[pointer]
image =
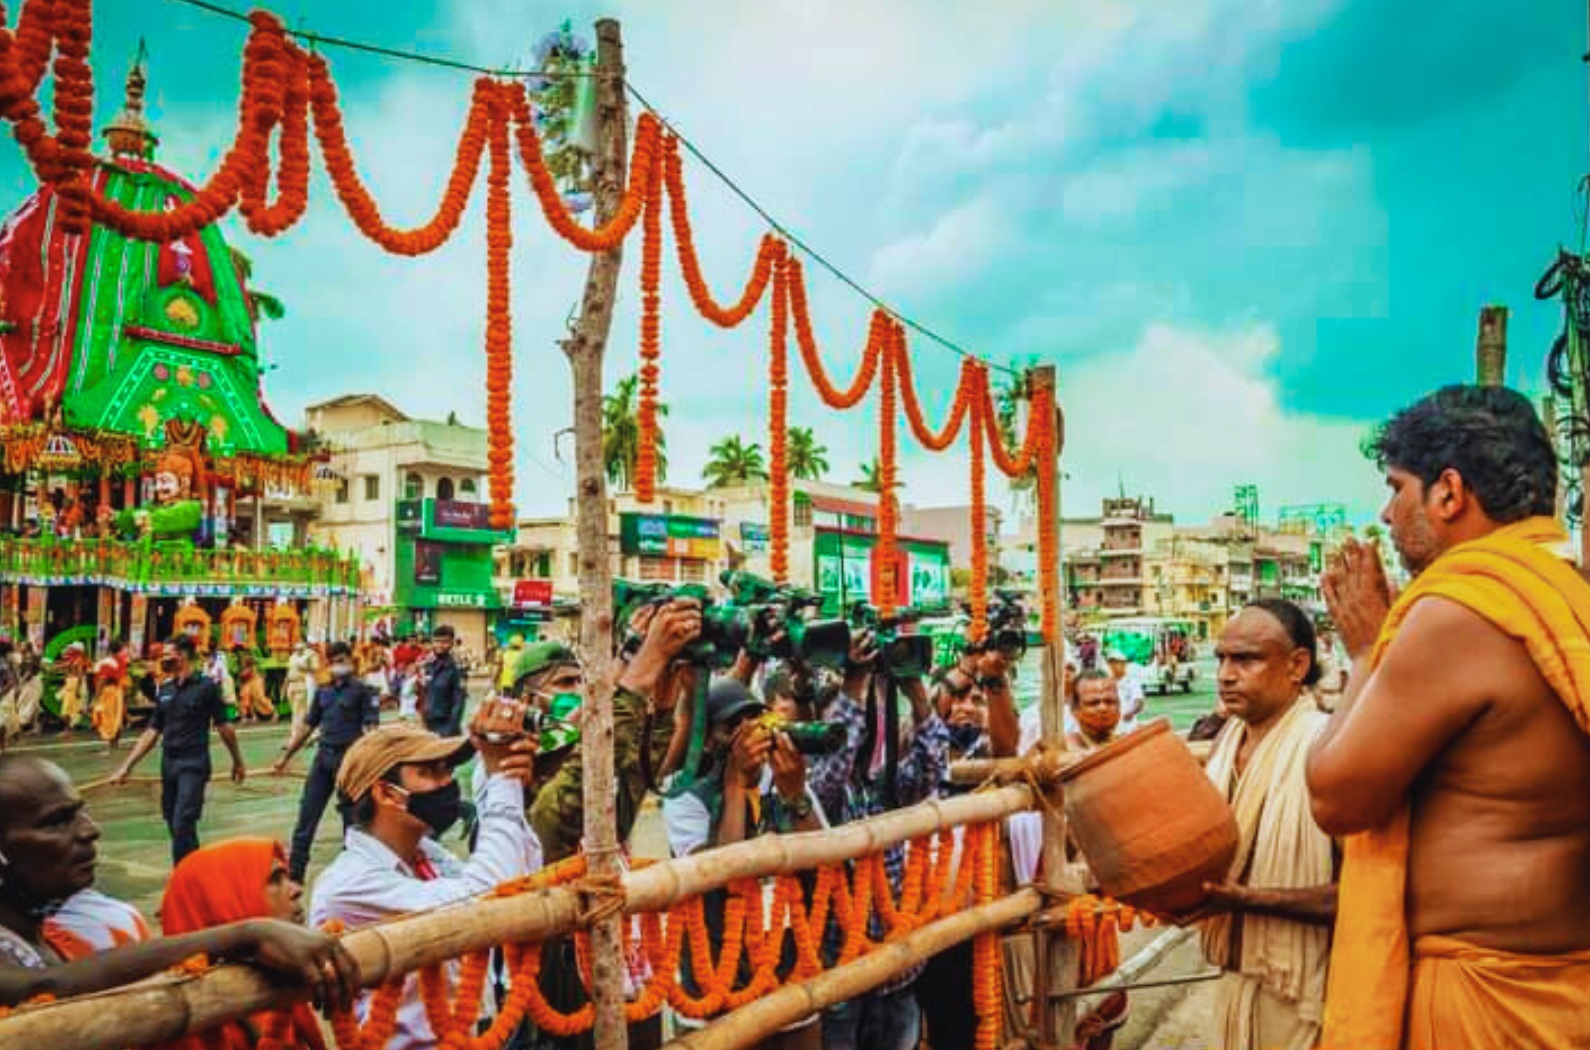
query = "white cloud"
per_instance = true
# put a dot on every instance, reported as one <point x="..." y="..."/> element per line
<point x="958" y="245"/>
<point x="1188" y="413"/>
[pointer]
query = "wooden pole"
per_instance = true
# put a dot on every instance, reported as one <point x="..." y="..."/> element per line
<point x="168" y="1008"/>
<point x="585" y="347"/>
<point x="1490" y="348"/>
<point x="750" y="1024"/>
<point x="1054" y="963"/>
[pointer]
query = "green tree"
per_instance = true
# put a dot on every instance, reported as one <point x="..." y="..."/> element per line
<point x="870" y="480"/>
<point x="1008" y="399"/>
<point x="733" y="462"/>
<point x="621" y="434"/>
<point x="807" y="459"/>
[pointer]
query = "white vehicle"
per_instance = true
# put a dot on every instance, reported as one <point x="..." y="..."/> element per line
<point x="1159" y="649"/>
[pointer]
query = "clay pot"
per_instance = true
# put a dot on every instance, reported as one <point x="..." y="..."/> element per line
<point x="1151" y="825"/>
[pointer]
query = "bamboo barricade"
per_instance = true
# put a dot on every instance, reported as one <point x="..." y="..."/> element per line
<point x="169" y="1007"/>
<point x="750" y="1024"/>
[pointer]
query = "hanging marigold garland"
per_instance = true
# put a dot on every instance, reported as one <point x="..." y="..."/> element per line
<point x="499" y="321"/>
<point x="927" y="437"/>
<point x="885" y="555"/>
<point x="987" y="995"/>
<point x="690" y="263"/>
<point x="778" y="422"/>
<point x="74" y="113"/>
<point x="978" y="589"/>
<point x="645" y="153"/>
<point x="877" y="335"/>
<point x="650" y="337"/>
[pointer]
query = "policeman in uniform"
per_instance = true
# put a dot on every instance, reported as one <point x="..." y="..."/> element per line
<point x="342" y="711"/>
<point x="186" y="706"/>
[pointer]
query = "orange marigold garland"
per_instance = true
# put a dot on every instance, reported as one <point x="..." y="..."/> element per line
<point x="877" y="333"/>
<point x="264" y="218"/>
<point x="690" y="264"/>
<point x="933" y="441"/>
<point x="886" y="589"/>
<point x="645" y="153"/>
<point x="499" y="323"/>
<point x="778" y="421"/>
<point x="356" y="199"/>
<point x="987" y="997"/>
<point x="74" y="112"/>
<point x="978" y="588"/>
<point x="650" y="337"/>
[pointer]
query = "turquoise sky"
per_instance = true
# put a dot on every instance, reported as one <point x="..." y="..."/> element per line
<point x="1243" y="231"/>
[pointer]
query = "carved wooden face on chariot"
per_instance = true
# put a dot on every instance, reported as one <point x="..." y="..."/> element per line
<point x="173" y="478"/>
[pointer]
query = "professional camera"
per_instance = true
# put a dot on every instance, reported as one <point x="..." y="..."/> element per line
<point x="809" y="738"/>
<point x="900" y="653"/>
<point x="760" y="617"/>
<point x="782" y="623"/>
<point x="1007" y="627"/>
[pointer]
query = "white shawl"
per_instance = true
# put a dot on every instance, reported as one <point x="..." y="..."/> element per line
<point x="1280" y="848"/>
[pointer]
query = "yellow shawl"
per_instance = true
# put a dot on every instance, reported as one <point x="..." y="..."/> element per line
<point x="1520" y="584"/>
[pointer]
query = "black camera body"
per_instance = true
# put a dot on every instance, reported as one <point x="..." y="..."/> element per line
<point x="760" y="617"/>
<point x="901" y="653"/>
<point x="1007" y="627"/>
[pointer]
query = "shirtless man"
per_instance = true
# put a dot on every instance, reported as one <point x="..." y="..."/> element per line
<point x="1456" y="741"/>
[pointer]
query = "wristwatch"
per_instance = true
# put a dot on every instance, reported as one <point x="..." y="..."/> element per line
<point x="800" y="807"/>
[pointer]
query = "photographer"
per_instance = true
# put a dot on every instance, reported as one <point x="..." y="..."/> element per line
<point x="752" y="781"/>
<point x="886" y="1018"/>
<point x="644" y="722"/>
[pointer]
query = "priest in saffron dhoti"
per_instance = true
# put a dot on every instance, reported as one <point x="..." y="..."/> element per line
<point x="1457" y="762"/>
<point x="1270" y="928"/>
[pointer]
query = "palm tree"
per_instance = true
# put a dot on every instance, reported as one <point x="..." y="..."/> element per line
<point x="734" y="463"/>
<point x="621" y="434"/>
<point x="871" y="482"/>
<point x="806" y="458"/>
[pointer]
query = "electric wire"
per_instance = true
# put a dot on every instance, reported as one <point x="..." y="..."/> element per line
<point x="722" y="176"/>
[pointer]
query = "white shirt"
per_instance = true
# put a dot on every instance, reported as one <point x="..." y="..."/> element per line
<point x="368" y="883"/>
<point x="1130" y="690"/>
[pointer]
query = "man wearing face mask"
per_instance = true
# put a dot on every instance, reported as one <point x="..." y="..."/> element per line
<point x="187" y="705"/>
<point x="398" y="782"/>
<point x="343" y="711"/>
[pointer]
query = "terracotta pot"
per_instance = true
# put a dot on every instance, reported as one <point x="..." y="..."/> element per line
<point x="1151" y="825"/>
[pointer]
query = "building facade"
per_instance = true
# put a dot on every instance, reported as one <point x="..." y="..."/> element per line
<point x="407" y="494"/>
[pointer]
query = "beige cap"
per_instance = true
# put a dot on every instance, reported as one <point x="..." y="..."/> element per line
<point x="380" y="750"/>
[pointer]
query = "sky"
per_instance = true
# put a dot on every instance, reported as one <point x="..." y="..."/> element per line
<point x="1243" y="230"/>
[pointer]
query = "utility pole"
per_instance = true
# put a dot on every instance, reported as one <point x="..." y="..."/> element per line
<point x="1490" y="348"/>
<point x="585" y="346"/>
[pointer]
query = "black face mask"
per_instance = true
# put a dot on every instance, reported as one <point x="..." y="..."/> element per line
<point x="964" y="737"/>
<point x="439" y="808"/>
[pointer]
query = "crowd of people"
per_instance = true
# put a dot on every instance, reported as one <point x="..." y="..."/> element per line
<point x="1413" y="850"/>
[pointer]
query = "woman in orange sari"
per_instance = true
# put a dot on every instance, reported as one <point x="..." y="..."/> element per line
<point x="110" y="706"/>
<point x="235" y="881"/>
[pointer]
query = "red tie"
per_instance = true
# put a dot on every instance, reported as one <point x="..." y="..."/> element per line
<point x="423" y="868"/>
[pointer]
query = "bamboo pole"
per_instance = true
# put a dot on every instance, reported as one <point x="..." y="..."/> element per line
<point x="1055" y="960"/>
<point x="1044" y="767"/>
<point x="168" y="1008"/>
<point x="750" y="1024"/>
<point x="584" y="348"/>
<point x="661" y="885"/>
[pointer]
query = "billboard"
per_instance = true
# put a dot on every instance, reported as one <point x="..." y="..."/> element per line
<point x="669" y="536"/>
<point x="459" y="514"/>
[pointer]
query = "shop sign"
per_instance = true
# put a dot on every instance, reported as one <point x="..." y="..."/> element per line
<point x="532" y="594"/>
<point x="669" y="536"/>
<point x="450" y="600"/>
<point x="459" y="514"/>
<point x="753" y="537"/>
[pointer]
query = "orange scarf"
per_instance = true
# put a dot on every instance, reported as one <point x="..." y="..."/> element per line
<point x="217" y="885"/>
<point x="1517" y="579"/>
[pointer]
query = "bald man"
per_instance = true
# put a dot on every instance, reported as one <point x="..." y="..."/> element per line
<point x="48" y="850"/>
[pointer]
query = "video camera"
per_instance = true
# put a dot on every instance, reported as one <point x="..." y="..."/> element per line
<point x="1007" y="627"/>
<point x="899" y="654"/>
<point x="760" y="617"/>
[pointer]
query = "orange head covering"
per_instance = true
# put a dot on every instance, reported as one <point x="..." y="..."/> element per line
<point x="217" y="885"/>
